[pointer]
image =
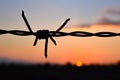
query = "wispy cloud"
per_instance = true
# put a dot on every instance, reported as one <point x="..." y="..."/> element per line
<point x="4" y="60"/>
<point x="105" y="19"/>
<point x="101" y="21"/>
<point x="112" y="10"/>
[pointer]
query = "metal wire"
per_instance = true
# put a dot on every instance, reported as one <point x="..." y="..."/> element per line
<point x="62" y="34"/>
<point x="45" y="34"/>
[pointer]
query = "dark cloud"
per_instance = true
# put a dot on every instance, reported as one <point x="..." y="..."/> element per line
<point x="11" y="61"/>
<point x="102" y="21"/>
<point x="112" y="10"/>
<point x="85" y="25"/>
<point x="107" y="21"/>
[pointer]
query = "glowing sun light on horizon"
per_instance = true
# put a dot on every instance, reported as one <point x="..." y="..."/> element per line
<point x="79" y="63"/>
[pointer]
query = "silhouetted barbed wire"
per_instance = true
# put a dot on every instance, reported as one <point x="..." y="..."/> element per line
<point x="61" y="34"/>
<point x="45" y="34"/>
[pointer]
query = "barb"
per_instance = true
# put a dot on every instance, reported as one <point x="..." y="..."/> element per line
<point x="45" y="34"/>
<point x="24" y="18"/>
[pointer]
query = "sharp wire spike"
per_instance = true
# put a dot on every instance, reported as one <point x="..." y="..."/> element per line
<point x="59" y="30"/>
<point x="53" y="40"/>
<point x="35" y="42"/>
<point x="24" y="18"/>
<point x="62" y="25"/>
<point x="46" y="45"/>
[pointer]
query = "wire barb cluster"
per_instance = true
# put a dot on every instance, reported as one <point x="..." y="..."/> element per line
<point x="46" y="34"/>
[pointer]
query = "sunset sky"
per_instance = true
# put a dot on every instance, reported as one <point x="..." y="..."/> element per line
<point x="86" y="15"/>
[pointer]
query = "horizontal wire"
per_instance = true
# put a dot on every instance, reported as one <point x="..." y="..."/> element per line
<point x="61" y="34"/>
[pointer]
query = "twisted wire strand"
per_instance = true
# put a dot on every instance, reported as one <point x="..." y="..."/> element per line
<point x="62" y="34"/>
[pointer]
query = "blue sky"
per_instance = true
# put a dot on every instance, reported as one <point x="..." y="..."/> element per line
<point x="51" y="13"/>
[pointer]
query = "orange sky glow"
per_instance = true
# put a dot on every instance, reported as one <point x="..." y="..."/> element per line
<point x="85" y="15"/>
<point x="69" y="49"/>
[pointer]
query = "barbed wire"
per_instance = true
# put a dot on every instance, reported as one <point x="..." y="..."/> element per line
<point x="45" y="34"/>
<point x="61" y="34"/>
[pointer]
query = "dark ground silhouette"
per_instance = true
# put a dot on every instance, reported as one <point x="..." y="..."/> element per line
<point x="59" y="72"/>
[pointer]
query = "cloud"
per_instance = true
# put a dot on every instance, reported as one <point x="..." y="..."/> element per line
<point x="107" y="18"/>
<point x="107" y="21"/>
<point x="101" y="21"/>
<point x="112" y="10"/>
<point x="85" y="25"/>
<point x="4" y="60"/>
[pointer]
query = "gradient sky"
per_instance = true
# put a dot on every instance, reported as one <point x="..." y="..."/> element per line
<point x="87" y="15"/>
